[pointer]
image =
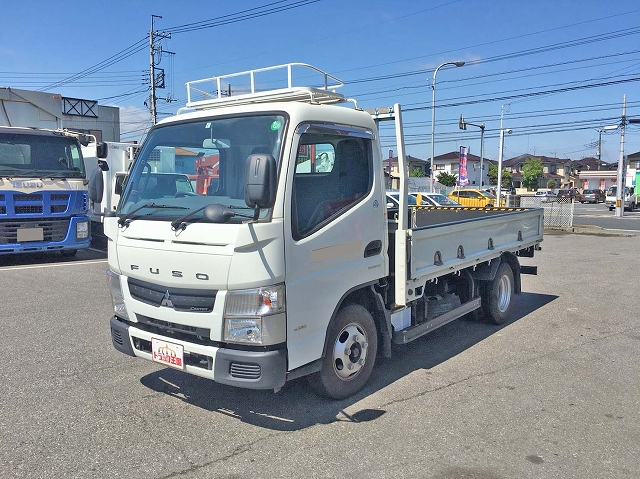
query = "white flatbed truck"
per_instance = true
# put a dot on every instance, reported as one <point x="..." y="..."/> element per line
<point x="289" y="265"/>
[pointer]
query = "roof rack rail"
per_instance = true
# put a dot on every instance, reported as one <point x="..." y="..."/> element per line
<point x="214" y="96"/>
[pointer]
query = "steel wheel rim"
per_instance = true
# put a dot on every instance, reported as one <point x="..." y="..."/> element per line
<point x="504" y="293"/>
<point x="350" y="351"/>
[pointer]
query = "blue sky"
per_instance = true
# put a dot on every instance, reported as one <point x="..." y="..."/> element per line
<point x="558" y="69"/>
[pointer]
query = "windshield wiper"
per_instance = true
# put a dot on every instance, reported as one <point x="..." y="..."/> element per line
<point x="8" y="172"/>
<point x="126" y="219"/>
<point x="216" y="213"/>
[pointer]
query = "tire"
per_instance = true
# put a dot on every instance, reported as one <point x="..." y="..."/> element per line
<point x="610" y="208"/>
<point x="352" y="344"/>
<point x="497" y="295"/>
<point x="68" y="253"/>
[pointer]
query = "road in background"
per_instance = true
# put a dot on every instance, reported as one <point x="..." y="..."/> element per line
<point x="599" y="215"/>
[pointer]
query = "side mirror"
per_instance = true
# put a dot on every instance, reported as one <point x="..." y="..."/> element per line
<point x="260" y="181"/>
<point x="102" y="164"/>
<point x="101" y="149"/>
<point x="96" y="186"/>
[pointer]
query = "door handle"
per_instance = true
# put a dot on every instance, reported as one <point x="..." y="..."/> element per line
<point x="372" y="249"/>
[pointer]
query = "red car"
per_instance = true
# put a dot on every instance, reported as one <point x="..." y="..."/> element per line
<point x="570" y="193"/>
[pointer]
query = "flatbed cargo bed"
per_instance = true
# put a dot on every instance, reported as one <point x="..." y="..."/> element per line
<point x="446" y="240"/>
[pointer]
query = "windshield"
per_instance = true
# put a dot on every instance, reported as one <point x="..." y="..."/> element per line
<point x="444" y="200"/>
<point x="190" y="165"/>
<point x="36" y="156"/>
<point x="395" y="199"/>
<point x="612" y="191"/>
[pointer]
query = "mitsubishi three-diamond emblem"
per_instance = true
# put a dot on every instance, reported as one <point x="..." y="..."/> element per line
<point x="166" y="300"/>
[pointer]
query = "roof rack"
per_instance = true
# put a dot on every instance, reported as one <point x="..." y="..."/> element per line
<point x="212" y="97"/>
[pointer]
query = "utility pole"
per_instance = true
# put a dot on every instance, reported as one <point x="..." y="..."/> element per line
<point x="599" y="147"/>
<point x="621" y="173"/>
<point x="153" y="36"/>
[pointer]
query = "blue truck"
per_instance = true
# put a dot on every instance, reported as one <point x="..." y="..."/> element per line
<point x="43" y="192"/>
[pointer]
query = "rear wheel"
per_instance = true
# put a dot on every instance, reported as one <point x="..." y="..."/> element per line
<point x="351" y="353"/>
<point x="497" y="295"/>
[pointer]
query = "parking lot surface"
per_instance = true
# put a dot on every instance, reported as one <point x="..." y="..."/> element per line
<point x="554" y="393"/>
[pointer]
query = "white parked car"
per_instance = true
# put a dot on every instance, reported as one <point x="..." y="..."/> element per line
<point x="545" y="194"/>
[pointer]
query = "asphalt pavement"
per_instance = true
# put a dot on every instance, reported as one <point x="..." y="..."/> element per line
<point x="554" y="393"/>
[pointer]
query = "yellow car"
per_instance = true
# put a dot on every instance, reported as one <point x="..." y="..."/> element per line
<point x="474" y="197"/>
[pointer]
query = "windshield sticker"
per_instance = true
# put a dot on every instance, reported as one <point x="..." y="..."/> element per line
<point x="276" y="125"/>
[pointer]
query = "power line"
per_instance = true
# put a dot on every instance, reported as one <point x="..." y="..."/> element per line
<point x="121" y="55"/>
<point x="256" y="12"/>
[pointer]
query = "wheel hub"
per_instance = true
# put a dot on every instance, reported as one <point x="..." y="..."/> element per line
<point x="350" y="351"/>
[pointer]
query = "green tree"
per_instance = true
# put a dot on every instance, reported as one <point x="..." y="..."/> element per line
<point x="447" y="179"/>
<point x="493" y="175"/>
<point x="417" y="173"/>
<point x="531" y="173"/>
<point x="551" y="184"/>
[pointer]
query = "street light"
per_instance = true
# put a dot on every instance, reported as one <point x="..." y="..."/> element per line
<point x="499" y="188"/>
<point x="433" y="113"/>
<point x="463" y="126"/>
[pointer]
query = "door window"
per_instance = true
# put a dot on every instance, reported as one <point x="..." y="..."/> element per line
<point x="332" y="174"/>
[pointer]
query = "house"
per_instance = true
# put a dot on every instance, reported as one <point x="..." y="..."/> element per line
<point x="450" y="163"/>
<point x="415" y="164"/>
<point x="608" y="176"/>
<point x="560" y="170"/>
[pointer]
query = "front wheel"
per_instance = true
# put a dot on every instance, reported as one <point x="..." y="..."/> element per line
<point x="496" y="299"/>
<point x="352" y="345"/>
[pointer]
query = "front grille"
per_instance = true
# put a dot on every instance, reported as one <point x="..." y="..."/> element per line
<point x="25" y="210"/>
<point x="245" y="371"/>
<point x="167" y="328"/>
<point x="45" y="203"/>
<point x="53" y="229"/>
<point x="180" y="299"/>
<point x="23" y="197"/>
<point x="117" y="337"/>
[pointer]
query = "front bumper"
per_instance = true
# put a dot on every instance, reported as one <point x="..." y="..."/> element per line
<point x="58" y="234"/>
<point x="240" y="368"/>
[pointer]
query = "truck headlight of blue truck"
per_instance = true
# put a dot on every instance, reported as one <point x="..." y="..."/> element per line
<point x="255" y="316"/>
<point x="82" y="229"/>
<point x="117" y="298"/>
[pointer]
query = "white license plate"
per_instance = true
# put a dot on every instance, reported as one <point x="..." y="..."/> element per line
<point x="30" y="234"/>
<point x="169" y="354"/>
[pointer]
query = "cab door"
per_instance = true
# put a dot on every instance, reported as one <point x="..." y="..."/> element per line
<point x="335" y="230"/>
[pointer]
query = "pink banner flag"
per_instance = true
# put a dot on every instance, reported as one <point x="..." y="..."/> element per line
<point x="463" y="179"/>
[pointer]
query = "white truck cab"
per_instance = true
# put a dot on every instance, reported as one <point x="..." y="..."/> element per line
<point x="628" y="199"/>
<point x="288" y="265"/>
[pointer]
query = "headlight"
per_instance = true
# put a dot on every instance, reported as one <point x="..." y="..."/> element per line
<point x="82" y="229"/>
<point x="255" y="316"/>
<point x="113" y="282"/>
<point x="255" y="302"/>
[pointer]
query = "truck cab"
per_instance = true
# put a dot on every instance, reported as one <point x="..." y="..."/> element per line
<point x="628" y="198"/>
<point x="43" y="196"/>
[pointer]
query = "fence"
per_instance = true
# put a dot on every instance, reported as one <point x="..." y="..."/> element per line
<point x="558" y="212"/>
